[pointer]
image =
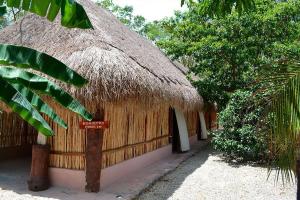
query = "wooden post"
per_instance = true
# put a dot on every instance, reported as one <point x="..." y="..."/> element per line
<point x="93" y="155"/>
<point x="39" y="180"/>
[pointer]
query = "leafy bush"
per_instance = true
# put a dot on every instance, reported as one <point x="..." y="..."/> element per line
<point x="239" y="136"/>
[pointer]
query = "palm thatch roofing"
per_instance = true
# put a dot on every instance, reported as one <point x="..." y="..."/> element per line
<point x="119" y="63"/>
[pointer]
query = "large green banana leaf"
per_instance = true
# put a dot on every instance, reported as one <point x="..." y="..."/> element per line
<point x="43" y="85"/>
<point x="17" y="88"/>
<point x="73" y="14"/>
<point x="24" y="57"/>
<point x="39" y="104"/>
<point x="20" y="105"/>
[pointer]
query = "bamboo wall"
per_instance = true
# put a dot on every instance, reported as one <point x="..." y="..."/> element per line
<point x="193" y="122"/>
<point x="211" y="119"/>
<point x="14" y="132"/>
<point x="134" y="130"/>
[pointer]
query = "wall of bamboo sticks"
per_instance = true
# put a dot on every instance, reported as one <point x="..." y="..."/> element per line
<point x="193" y="122"/>
<point x="134" y="130"/>
<point x="14" y="132"/>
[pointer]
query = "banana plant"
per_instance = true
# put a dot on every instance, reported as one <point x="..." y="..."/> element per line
<point x="73" y="14"/>
<point x="21" y="89"/>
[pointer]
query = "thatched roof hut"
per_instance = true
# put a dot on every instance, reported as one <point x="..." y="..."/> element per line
<point x="128" y="76"/>
<point x="118" y="62"/>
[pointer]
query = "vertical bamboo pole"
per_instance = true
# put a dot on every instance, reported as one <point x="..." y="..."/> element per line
<point x="93" y="155"/>
<point x="39" y="179"/>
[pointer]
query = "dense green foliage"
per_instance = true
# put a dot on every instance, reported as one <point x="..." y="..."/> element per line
<point x="239" y="136"/>
<point x="280" y="78"/>
<point x="257" y="51"/>
<point x="221" y="8"/>
<point x="229" y="52"/>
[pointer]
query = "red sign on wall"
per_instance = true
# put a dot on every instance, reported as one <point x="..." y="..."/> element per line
<point x="94" y="125"/>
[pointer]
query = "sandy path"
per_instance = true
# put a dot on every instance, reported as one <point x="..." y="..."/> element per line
<point x="207" y="176"/>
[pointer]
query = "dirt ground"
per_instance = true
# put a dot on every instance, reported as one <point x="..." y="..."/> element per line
<point x="207" y="176"/>
<point x="204" y="176"/>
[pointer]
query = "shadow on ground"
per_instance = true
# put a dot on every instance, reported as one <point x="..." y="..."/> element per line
<point x="187" y="169"/>
<point x="14" y="175"/>
<point x="236" y="163"/>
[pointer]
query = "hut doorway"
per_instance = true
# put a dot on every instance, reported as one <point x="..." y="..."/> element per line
<point x="173" y="131"/>
<point x="178" y="131"/>
<point x="199" y="128"/>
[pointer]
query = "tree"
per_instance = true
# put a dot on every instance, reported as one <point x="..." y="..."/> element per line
<point x="228" y="51"/>
<point x="222" y="8"/>
<point x="20" y="89"/>
<point x="279" y="78"/>
<point x="73" y="14"/>
<point x="125" y="15"/>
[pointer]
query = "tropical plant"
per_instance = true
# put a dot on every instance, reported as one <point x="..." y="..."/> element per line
<point x="279" y="78"/>
<point x="228" y="52"/>
<point x="240" y="137"/>
<point x="73" y="14"/>
<point x="283" y="84"/>
<point x="21" y="89"/>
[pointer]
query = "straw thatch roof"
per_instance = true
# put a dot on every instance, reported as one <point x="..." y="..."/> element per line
<point x="118" y="62"/>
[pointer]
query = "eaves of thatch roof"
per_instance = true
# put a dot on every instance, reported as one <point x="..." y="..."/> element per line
<point x="118" y="63"/>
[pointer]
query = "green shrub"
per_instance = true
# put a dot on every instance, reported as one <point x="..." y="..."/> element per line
<point x="239" y="136"/>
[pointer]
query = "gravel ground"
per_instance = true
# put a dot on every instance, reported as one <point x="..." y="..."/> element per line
<point x="207" y="176"/>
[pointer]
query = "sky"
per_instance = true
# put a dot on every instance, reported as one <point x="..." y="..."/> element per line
<point x="152" y="9"/>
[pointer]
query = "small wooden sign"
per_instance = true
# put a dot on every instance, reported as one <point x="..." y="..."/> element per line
<point x="94" y="125"/>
